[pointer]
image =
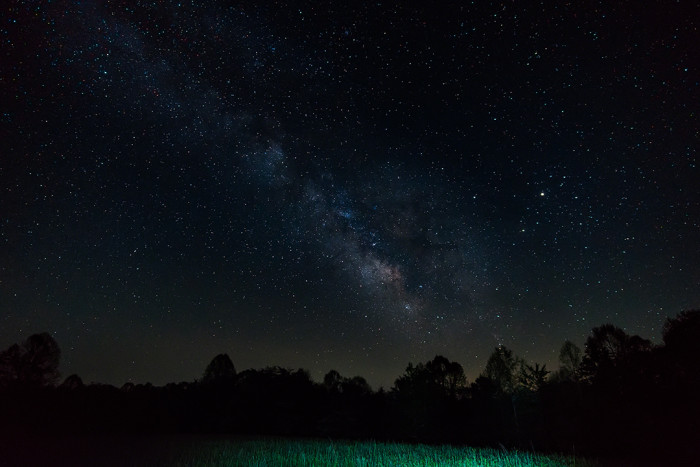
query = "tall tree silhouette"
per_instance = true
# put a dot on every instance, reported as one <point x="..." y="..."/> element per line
<point x="680" y="368"/>
<point x="501" y="368"/>
<point x="33" y="363"/>
<point x="569" y="361"/>
<point x="682" y="345"/>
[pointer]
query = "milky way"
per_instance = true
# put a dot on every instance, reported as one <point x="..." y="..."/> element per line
<point x="349" y="187"/>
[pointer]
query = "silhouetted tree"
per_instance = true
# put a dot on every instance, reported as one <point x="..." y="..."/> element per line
<point x="446" y="374"/>
<point x="72" y="382"/>
<point x="569" y="362"/>
<point x="426" y="397"/>
<point x="415" y="379"/>
<point x="501" y="368"/>
<point x="356" y="386"/>
<point x="682" y="332"/>
<point x="439" y="376"/>
<point x="34" y="363"/>
<point x="532" y="378"/>
<point x="680" y="369"/>
<point x="10" y="363"/>
<point x="483" y="388"/>
<point x="128" y="387"/>
<point x="618" y="400"/>
<point x="333" y="382"/>
<point x="681" y="337"/>
<point x="347" y="410"/>
<point x="607" y="349"/>
<point x="219" y="371"/>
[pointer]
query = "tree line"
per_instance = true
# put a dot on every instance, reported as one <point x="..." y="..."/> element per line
<point x="618" y="396"/>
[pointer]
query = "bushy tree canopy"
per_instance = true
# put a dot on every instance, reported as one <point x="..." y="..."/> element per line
<point x="438" y="376"/>
<point x="682" y="333"/>
<point x="33" y="363"/>
<point x="608" y="348"/>
<point x="220" y="370"/>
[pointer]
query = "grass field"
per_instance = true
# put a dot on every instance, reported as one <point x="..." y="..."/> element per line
<point x="342" y="454"/>
<point x="219" y="452"/>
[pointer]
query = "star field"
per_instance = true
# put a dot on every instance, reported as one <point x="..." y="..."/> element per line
<point x="346" y="187"/>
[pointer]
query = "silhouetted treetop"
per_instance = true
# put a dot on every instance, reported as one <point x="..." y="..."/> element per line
<point x="501" y="368"/>
<point x="356" y="386"/>
<point x="72" y="382"/>
<point x="682" y="345"/>
<point x="532" y="378"/>
<point x="682" y="333"/>
<point x="448" y="375"/>
<point x="570" y="357"/>
<point x="439" y="376"/>
<point x="334" y="383"/>
<point x="220" y="370"/>
<point x="33" y="363"/>
<point x="607" y="348"/>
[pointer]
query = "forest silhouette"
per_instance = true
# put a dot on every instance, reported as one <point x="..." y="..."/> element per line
<point x="619" y="396"/>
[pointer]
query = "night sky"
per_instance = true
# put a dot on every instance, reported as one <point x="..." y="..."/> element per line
<point x="343" y="185"/>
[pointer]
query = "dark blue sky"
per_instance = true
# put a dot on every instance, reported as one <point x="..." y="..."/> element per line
<point x="348" y="187"/>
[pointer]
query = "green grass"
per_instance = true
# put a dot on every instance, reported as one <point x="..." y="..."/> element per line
<point x="220" y="451"/>
<point x="281" y="452"/>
